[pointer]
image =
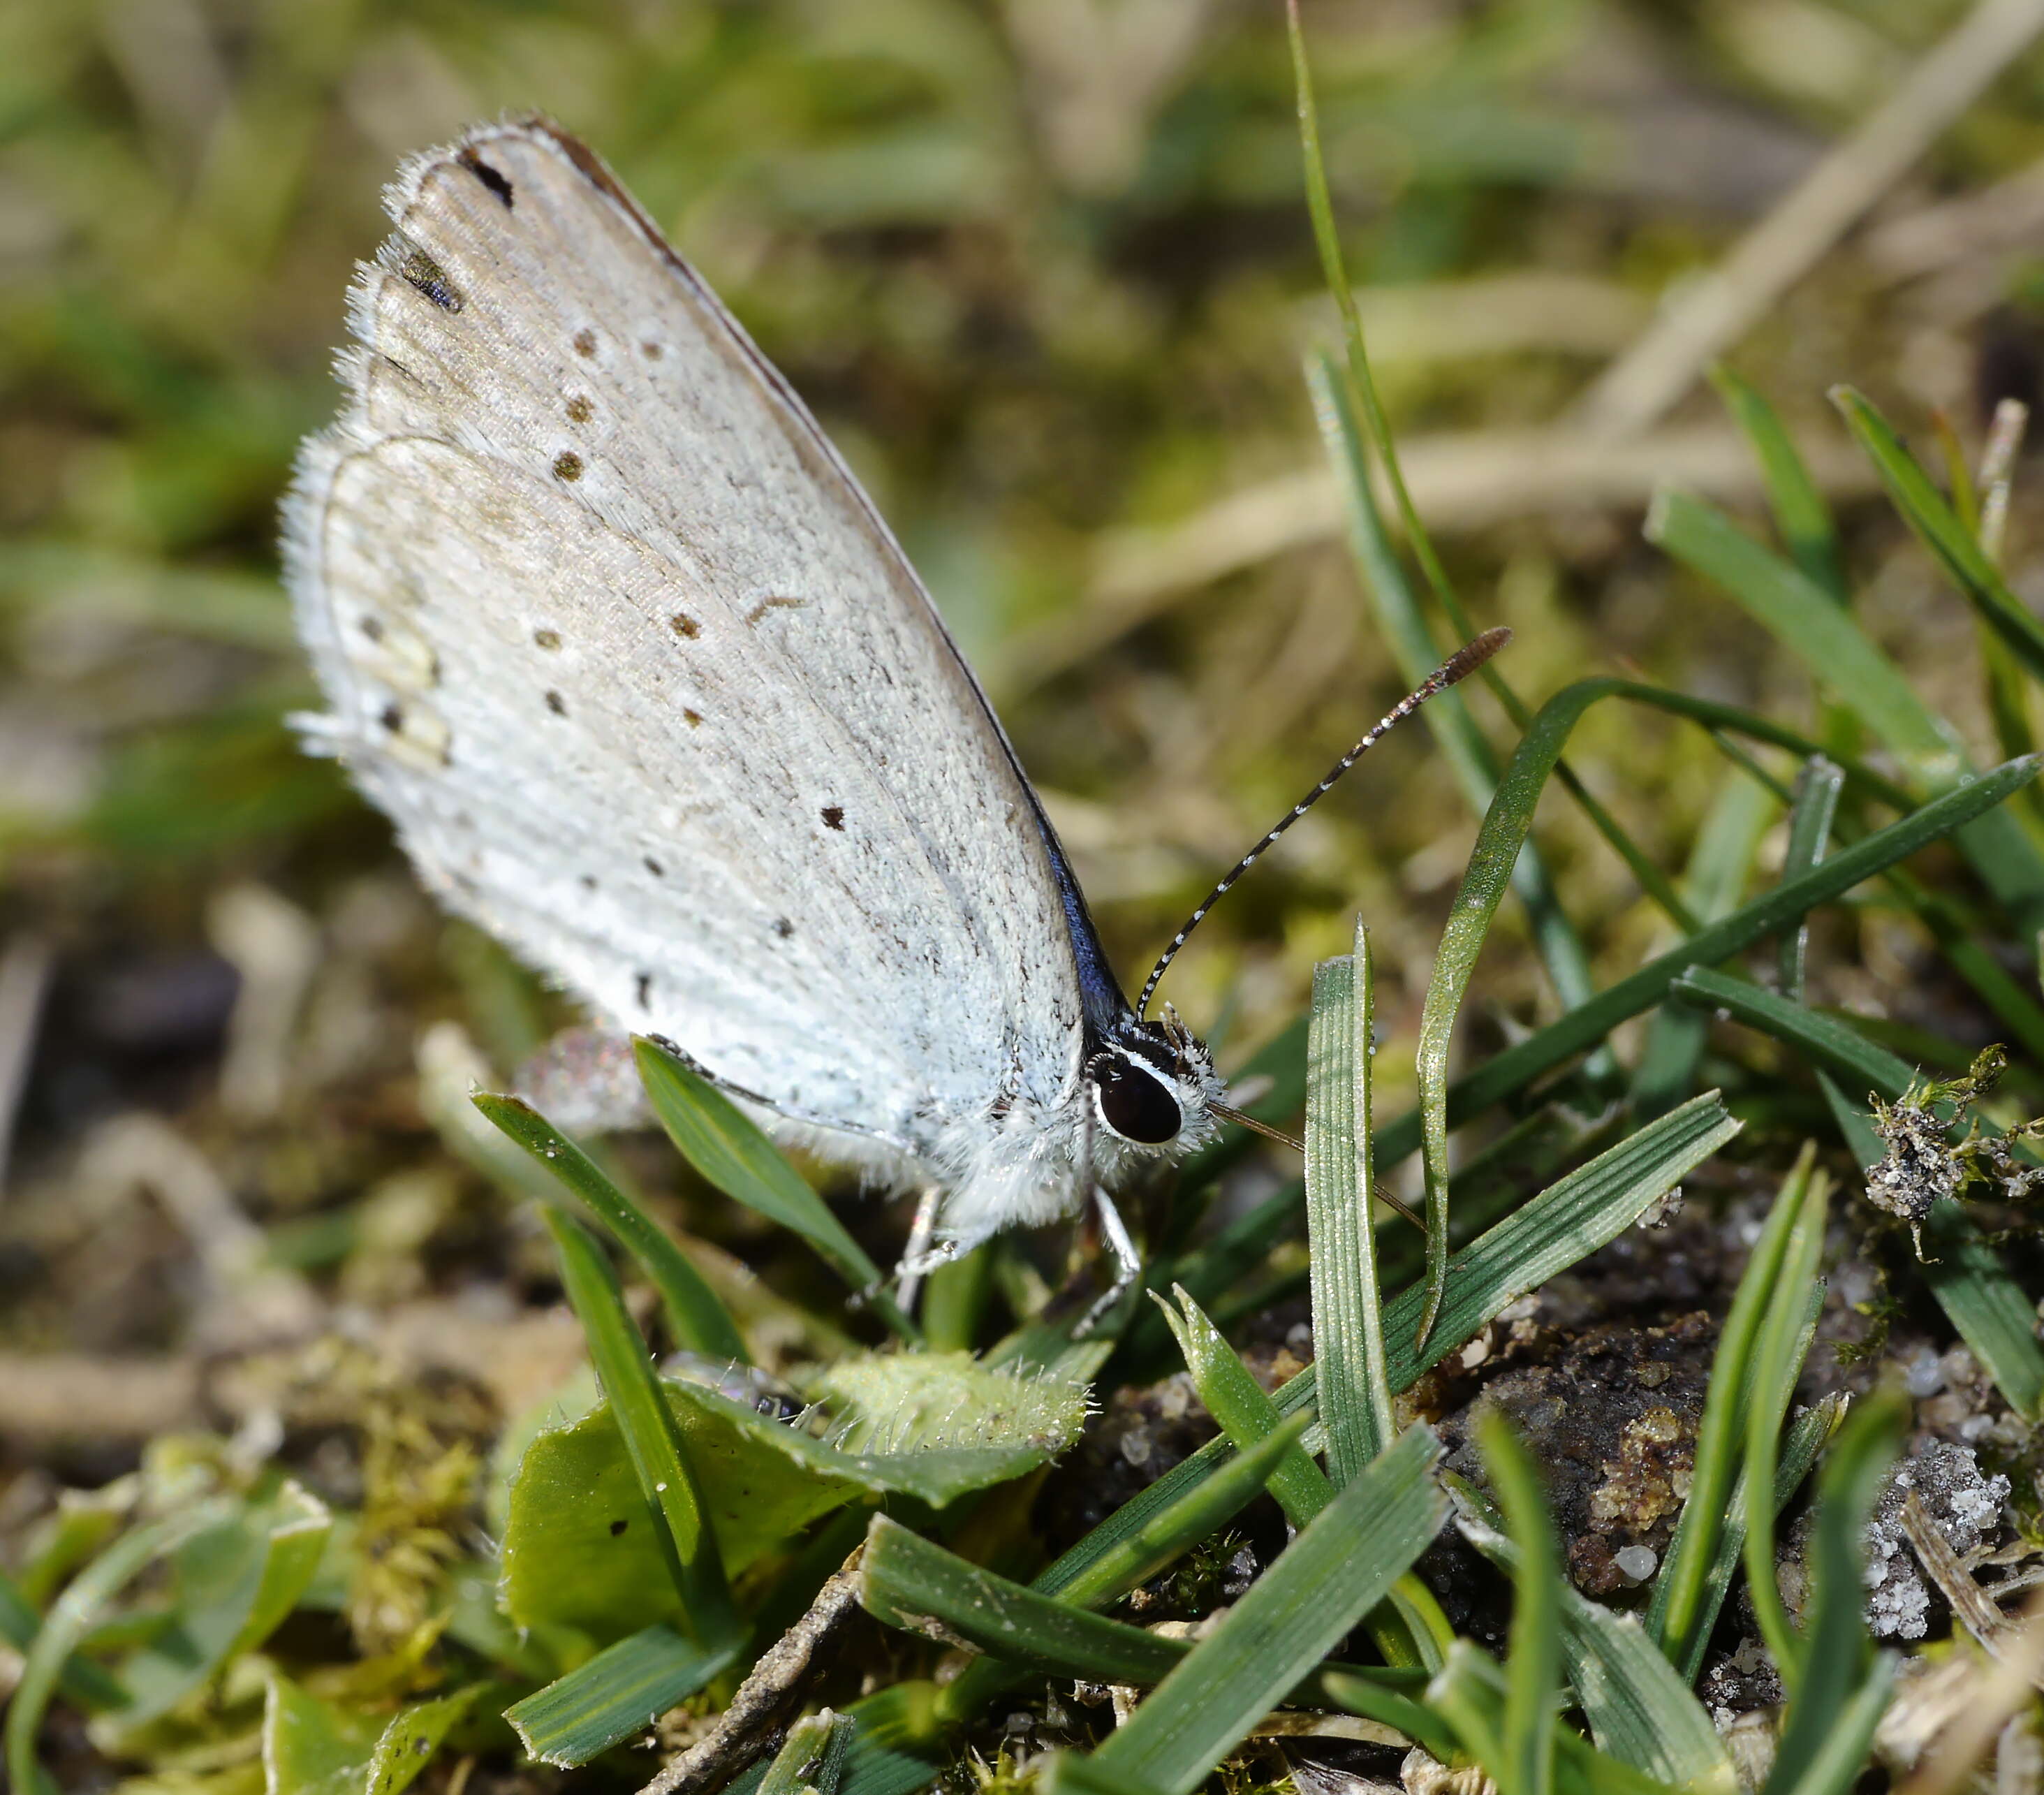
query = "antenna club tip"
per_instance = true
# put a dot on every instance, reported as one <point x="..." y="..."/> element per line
<point x="1471" y="655"/>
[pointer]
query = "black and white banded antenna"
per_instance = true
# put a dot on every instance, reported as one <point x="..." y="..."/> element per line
<point x="1458" y="667"/>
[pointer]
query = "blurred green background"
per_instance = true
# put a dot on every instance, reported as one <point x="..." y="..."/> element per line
<point x="1044" y="270"/>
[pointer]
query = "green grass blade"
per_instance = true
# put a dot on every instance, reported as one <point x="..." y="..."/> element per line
<point x="1446" y="718"/>
<point x="699" y="1321"/>
<point x="1533" y="1664"/>
<point x="1836" y="650"/>
<point x="908" y="1581"/>
<point x="1838" y="1651"/>
<point x="1675" y="1610"/>
<point x="1778" y="1350"/>
<point x="624" y="1689"/>
<point x="72" y="1617"/>
<point x="1246" y="1413"/>
<point x="1802" y="513"/>
<point x="652" y="1436"/>
<point x="1332" y="1574"/>
<point x="1639" y="1705"/>
<point x="1508" y="1073"/>
<point x="812" y="1760"/>
<point x="1816" y="807"/>
<point x="1348" y="1319"/>
<point x="1954" y="546"/>
<point x="83" y="1683"/>
<point x="1191" y="1504"/>
<point x="1842" y="1754"/>
<point x="1719" y="865"/>
<point x="1800" y="1445"/>
<point x="728" y="1150"/>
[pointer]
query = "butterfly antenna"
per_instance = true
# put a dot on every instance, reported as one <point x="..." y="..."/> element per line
<point x="1459" y="666"/>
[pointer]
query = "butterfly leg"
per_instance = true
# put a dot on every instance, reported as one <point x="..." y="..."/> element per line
<point x="1127" y="1263"/>
<point x="919" y="1259"/>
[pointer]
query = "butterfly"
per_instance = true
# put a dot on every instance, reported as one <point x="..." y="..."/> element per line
<point x="608" y="630"/>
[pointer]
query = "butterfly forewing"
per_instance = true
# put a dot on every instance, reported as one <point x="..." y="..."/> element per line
<point x="610" y="632"/>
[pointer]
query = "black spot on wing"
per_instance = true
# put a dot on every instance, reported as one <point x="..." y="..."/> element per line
<point x="579" y="409"/>
<point x="567" y="466"/>
<point x="783" y="928"/>
<point x="547" y="639"/>
<point x="683" y="624"/>
<point x="645" y="988"/>
<point x="654" y="867"/>
<point x="429" y="277"/>
<point x="585" y="343"/>
<point x="693" y="718"/>
<point x="834" y="816"/>
<point x="557" y="705"/>
<point x="392" y="717"/>
<point x="491" y="178"/>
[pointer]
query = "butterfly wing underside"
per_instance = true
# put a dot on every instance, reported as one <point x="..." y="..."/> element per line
<point x="607" y="629"/>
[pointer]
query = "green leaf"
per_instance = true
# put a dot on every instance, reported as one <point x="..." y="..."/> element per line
<point x="1533" y="1664"/>
<point x="83" y="1682"/>
<point x="1803" y="1441"/>
<point x="1348" y="1321"/>
<point x="580" y="1549"/>
<point x="1720" y="863"/>
<point x="1507" y="1073"/>
<point x="72" y="1616"/>
<point x="699" y="1321"/>
<point x="727" y="1149"/>
<point x="311" y="1746"/>
<point x="1470" y="1692"/>
<point x="913" y="1404"/>
<point x="624" y="1689"/>
<point x="407" y="1745"/>
<point x="1830" y="643"/>
<point x="673" y="1511"/>
<point x="1676" y="1610"/>
<point x="1801" y="513"/>
<point x="1817" y="788"/>
<point x="1825" y="1711"/>
<point x="1447" y="716"/>
<point x="1955" y="547"/>
<point x="232" y="1584"/>
<point x="1779" y="1348"/>
<point x="1332" y="1574"/>
<point x="1238" y="1402"/>
<point x="812" y="1761"/>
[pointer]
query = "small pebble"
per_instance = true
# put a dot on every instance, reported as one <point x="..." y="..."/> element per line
<point x="1635" y="1563"/>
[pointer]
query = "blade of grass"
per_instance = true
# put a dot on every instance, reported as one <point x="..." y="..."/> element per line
<point x="1800" y="1445"/>
<point x="1837" y="1651"/>
<point x="1802" y="513"/>
<point x="652" y="1435"/>
<point x="1507" y="1073"/>
<point x="1719" y="865"/>
<point x="1416" y="654"/>
<point x="1951" y="544"/>
<point x="1332" y="1574"/>
<point x="1639" y="1708"/>
<point x="1675" y="1611"/>
<point x="1778" y="1350"/>
<point x="85" y="1685"/>
<point x="728" y="1150"/>
<point x="1348" y="1319"/>
<point x="812" y="1761"/>
<point x="1817" y="788"/>
<point x="72" y="1616"/>
<point x="624" y="1689"/>
<point x="1836" y="650"/>
<point x="699" y="1322"/>
<point x="1533" y="1663"/>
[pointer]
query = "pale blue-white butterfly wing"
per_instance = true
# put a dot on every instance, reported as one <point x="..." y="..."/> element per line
<point x="650" y="692"/>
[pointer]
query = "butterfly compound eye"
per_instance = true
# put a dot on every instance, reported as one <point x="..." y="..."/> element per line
<point x="1137" y="1104"/>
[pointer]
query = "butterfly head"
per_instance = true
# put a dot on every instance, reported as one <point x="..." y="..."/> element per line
<point x="1153" y="1083"/>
